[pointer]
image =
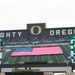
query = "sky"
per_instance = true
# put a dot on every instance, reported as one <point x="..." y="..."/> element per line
<point x="16" y="14"/>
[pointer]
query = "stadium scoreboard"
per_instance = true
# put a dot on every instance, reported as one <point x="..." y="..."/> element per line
<point x="61" y="37"/>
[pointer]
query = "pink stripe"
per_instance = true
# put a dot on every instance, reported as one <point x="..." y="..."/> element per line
<point x="40" y="51"/>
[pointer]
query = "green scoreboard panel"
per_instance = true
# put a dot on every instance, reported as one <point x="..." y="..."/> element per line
<point x="73" y="48"/>
<point x="1" y="41"/>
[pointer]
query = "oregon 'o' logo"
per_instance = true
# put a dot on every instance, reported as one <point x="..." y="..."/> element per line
<point x="32" y="30"/>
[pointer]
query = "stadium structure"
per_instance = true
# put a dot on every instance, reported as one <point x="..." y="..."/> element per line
<point x="37" y="47"/>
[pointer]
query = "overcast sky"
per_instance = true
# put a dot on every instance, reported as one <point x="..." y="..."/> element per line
<point x="16" y="14"/>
